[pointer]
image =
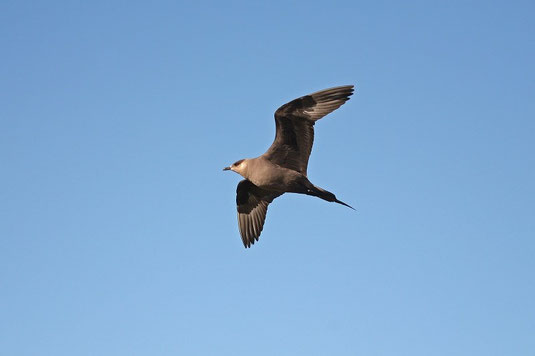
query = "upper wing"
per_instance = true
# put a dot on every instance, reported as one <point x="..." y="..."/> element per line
<point x="252" y="203"/>
<point x="295" y="126"/>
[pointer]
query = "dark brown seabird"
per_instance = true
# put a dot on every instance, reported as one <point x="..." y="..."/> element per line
<point x="283" y="168"/>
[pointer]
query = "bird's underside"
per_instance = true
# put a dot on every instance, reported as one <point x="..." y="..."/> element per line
<point x="285" y="161"/>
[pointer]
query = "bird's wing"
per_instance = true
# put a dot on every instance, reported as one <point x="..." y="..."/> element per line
<point x="252" y="203"/>
<point x="295" y="126"/>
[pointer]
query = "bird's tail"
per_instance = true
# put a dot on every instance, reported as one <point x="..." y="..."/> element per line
<point x="325" y="195"/>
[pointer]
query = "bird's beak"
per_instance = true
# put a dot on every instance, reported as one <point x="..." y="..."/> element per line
<point x="226" y="169"/>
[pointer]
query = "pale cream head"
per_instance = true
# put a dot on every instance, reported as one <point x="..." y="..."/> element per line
<point x="239" y="167"/>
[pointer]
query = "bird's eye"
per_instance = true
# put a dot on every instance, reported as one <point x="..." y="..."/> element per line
<point x="238" y="163"/>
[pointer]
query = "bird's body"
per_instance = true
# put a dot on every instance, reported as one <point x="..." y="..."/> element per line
<point x="283" y="168"/>
<point x="270" y="176"/>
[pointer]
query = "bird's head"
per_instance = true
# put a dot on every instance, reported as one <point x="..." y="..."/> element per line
<point x="238" y="167"/>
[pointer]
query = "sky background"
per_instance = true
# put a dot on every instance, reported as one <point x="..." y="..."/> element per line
<point x="118" y="231"/>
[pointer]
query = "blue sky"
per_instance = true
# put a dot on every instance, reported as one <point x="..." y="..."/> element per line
<point x="118" y="232"/>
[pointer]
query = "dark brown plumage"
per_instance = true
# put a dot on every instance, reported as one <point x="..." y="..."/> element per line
<point x="283" y="168"/>
<point x="252" y="203"/>
<point x="295" y="126"/>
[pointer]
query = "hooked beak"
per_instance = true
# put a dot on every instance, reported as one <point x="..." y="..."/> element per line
<point x="226" y="169"/>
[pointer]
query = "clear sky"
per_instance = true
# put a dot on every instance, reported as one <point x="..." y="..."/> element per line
<point x="118" y="231"/>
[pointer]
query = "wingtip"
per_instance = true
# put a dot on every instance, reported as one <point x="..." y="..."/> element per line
<point x="351" y="90"/>
<point x="350" y="87"/>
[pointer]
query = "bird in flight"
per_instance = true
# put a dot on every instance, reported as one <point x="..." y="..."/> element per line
<point x="283" y="168"/>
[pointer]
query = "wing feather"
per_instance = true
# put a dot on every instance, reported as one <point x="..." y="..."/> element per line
<point x="294" y="122"/>
<point x="252" y="203"/>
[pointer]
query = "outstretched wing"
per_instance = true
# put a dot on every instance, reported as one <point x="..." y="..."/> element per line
<point x="295" y="126"/>
<point x="252" y="203"/>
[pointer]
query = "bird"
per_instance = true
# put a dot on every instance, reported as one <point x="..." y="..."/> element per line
<point x="283" y="167"/>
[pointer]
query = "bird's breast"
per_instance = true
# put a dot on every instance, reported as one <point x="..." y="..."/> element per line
<point x="272" y="177"/>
